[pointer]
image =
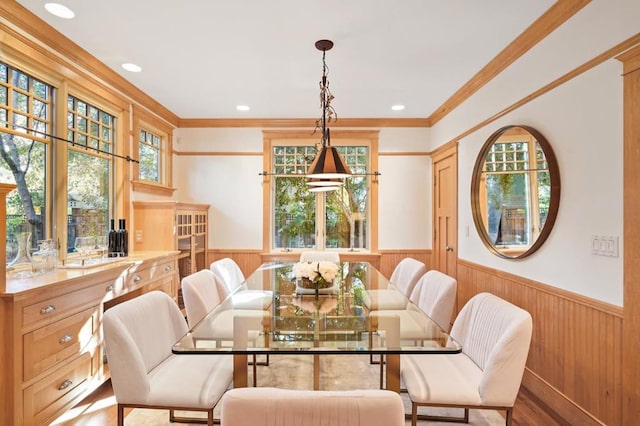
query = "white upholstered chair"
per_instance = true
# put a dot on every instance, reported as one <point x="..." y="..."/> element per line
<point x="201" y="294"/>
<point x="495" y="336"/>
<point x="316" y="256"/>
<point x="284" y="407"/>
<point x="434" y="295"/>
<point x="139" y="335"/>
<point x="404" y="277"/>
<point x="229" y="274"/>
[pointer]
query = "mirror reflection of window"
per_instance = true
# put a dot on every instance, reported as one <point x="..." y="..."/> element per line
<point x="514" y="188"/>
<point x="516" y="182"/>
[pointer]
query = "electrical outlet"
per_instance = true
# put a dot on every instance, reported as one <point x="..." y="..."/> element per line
<point x="139" y="235"/>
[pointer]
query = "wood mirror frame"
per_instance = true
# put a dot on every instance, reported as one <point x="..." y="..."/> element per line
<point x="515" y="212"/>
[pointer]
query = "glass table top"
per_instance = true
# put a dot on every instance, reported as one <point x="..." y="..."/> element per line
<point x="360" y="313"/>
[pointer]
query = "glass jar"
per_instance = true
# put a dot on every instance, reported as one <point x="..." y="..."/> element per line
<point x="22" y="262"/>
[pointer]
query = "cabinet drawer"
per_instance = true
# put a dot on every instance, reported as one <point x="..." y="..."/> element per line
<point x="62" y="306"/>
<point x="47" y="346"/>
<point x="137" y="278"/>
<point x="165" y="285"/>
<point x="51" y="394"/>
<point x="162" y="269"/>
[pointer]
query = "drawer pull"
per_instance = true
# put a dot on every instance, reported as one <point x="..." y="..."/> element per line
<point x="136" y="278"/>
<point x="66" y="338"/>
<point x="65" y="384"/>
<point x="47" y="309"/>
<point x="109" y="288"/>
<point x="167" y="268"/>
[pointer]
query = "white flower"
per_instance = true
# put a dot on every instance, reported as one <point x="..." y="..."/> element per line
<point x="316" y="270"/>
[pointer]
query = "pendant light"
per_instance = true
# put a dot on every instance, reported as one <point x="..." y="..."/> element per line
<point x="328" y="164"/>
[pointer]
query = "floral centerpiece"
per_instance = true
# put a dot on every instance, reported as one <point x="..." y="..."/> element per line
<point x="315" y="275"/>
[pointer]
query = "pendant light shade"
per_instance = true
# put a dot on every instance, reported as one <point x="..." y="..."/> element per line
<point x="325" y="182"/>
<point x="327" y="164"/>
<point x="323" y="188"/>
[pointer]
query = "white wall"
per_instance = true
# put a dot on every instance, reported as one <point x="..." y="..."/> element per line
<point x="582" y="120"/>
<point x="231" y="184"/>
<point x="405" y="207"/>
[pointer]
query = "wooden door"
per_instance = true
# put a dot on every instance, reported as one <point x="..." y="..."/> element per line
<point x="445" y="211"/>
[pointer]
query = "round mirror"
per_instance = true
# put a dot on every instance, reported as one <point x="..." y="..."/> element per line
<point x="515" y="191"/>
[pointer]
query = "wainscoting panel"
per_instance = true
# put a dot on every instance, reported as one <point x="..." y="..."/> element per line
<point x="389" y="259"/>
<point x="385" y="260"/>
<point x="248" y="260"/>
<point x="574" y="363"/>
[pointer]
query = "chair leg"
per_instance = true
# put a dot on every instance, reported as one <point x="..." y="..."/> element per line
<point x="255" y="371"/>
<point x="414" y="414"/>
<point x="209" y="421"/>
<point x="120" y="415"/>
<point x="316" y="372"/>
<point x="381" y="371"/>
<point x="509" y="416"/>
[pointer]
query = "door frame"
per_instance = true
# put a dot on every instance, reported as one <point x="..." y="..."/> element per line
<point x="447" y="152"/>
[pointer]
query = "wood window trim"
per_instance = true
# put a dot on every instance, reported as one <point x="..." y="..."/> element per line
<point x="301" y="137"/>
<point x="147" y="121"/>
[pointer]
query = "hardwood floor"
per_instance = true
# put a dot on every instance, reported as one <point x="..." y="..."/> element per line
<point x="100" y="409"/>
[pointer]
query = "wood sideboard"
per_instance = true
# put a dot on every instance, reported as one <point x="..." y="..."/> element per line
<point x="52" y="352"/>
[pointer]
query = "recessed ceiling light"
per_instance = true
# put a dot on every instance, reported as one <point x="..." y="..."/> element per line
<point x="397" y="107"/>
<point x="59" y="10"/>
<point x="131" y="67"/>
<point x="243" y="108"/>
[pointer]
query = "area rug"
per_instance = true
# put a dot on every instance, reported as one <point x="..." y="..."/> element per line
<point x="337" y="372"/>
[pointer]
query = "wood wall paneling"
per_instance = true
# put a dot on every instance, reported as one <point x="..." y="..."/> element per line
<point x="385" y="261"/>
<point x="576" y="347"/>
<point x="631" y="197"/>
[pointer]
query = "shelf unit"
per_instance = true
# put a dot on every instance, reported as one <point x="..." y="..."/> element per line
<point x="173" y="225"/>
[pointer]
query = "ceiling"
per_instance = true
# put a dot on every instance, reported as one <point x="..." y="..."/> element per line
<point x="202" y="58"/>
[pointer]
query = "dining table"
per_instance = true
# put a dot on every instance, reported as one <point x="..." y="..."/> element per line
<point x="273" y="313"/>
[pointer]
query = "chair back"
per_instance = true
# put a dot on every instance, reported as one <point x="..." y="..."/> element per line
<point x="200" y="294"/>
<point x="496" y="335"/>
<point x="138" y="336"/>
<point x="283" y="407"/>
<point x="435" y="295"/>
<point x="317" y="256"/>
<point x="229" y="273"/>
<point x="406" y="274"/>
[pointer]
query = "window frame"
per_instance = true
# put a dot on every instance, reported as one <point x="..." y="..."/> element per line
<point x="367" y="138"/>
<point x="142" y="120"/>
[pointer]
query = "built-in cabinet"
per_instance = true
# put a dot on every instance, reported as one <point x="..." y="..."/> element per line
<point x="51" y="335"/>
<point x="171" y="225"/>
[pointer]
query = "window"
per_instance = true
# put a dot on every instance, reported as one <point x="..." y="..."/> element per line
<point x="335" y="220"/>
<point x="152" y="144"/>
<point x="25" y="122"/>
<point x="149" y="152"/>
<point x="89" y="166"/>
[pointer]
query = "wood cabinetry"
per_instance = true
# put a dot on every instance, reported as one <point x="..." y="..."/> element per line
<point x="52" y="347"/>
<point x="160" y="225"/>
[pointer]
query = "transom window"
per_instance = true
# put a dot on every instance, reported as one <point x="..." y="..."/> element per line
<point x="149" y="145"/>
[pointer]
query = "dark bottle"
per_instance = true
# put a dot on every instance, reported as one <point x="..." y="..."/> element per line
<point x="112" y="238"/>
<point x="122" y="239"/>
